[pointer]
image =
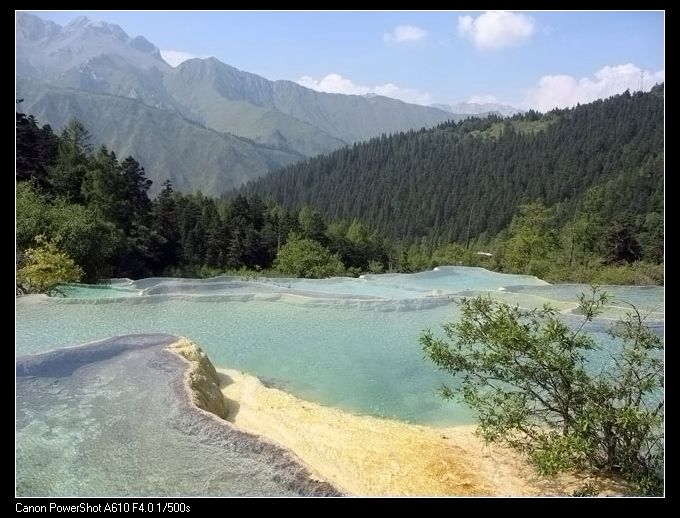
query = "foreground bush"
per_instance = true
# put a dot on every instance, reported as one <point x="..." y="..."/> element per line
<point x="529" y="378"/>
<point x="45" y="269"/>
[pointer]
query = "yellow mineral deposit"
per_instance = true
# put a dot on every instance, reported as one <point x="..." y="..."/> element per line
<point x="365" y="455"/>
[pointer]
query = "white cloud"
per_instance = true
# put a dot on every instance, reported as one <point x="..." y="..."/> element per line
<point x="483" y="99"/>
<point x="404" y="33"/>
<point x="562" y="91"/>
<point x="175" y="57"/>
<point x="335" y="83"/>
<point x="495" y="30"/>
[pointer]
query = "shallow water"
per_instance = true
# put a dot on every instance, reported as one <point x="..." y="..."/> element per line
<point x="350" y="343"/>
<point x="114" y="419"/>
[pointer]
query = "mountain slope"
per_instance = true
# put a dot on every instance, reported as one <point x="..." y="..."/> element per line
<point x="97" y="57"/>
<point x="192" y="156"/>
<point x="226" y="99"/>
<point x="354" y="117"/>
<point x="472" y="176"/>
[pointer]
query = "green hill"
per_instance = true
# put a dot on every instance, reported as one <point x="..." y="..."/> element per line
<point x="469" y="178"/>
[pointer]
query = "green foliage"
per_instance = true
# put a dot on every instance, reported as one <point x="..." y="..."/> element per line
<point x="622" y="243"/>
<point x="415" y="258"/>
<point x="528" y="377"/>
<point x="450" y="182"/>
<point x="583" y="236"/>
<point x="451" y="254"/>
<point x="531" y="240"/>
<point x="652" y="236"/>
<point x="99" y="210"/>
<point x="89" y="241"/>
<point x="45" y="268"/>
<point x="30" y="214"/>
<point x="73" y="161"/>
<point x="356" y="245"/>
<point x="36" y="150"/>
<point x="637" y="273"/>
<point x="375" y="266"/>
<point x="312" y="225"/>
<point x="92" y="242"/>
<point x="307" y="258"/>
<point x="164" y="223"/>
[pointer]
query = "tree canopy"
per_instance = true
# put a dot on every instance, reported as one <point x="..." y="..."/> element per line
<point x="307" y="258"/>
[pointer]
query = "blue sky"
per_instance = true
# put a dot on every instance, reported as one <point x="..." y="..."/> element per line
<point x="526" y="59"/>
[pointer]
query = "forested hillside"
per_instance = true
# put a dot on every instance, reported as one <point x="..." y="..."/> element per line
<point x="468" y="179"/>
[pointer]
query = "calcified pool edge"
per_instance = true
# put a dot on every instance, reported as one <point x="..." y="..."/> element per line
<point x="193" y="388"/>
<point x="201" y="379"/>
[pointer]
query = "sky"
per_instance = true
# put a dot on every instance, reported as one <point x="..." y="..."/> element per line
<point x="527" y="59"/>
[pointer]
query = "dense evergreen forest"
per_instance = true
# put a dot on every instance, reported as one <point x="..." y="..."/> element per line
<point x="573" y="195"/>
<point x="468" y="179"/>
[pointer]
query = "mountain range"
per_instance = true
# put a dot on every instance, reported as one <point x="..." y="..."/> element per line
<point x="203" y="124"/>
<point x="479" y="109"/>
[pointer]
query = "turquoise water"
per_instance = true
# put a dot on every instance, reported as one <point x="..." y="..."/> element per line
<point x="647" y="299"/>
<point x="349" y="343"/>
<point x="114" y="419"/>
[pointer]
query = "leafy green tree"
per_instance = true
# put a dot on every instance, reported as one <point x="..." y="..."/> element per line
<point x="312" y="225"/>
<point x="531" y="239"/>
<point x="530" y="379"/>
<point x="375" y="266"/>
<point x="89" y="241"/>
<point x="583" y="236"/>
<point x="358" y="233"/>
<point x="307" y="258"/>
<point x="279" y="223"/>
<point x="452" y="254"/>
<point x="92" y="242"/>
<point x="356" y="246"/>
<point x="31" y="207"/>
<point x="417" y="258"/>
<point x="652" y="240"/>
<point x="46" y="269"/>
<point x="622" y="243"/>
